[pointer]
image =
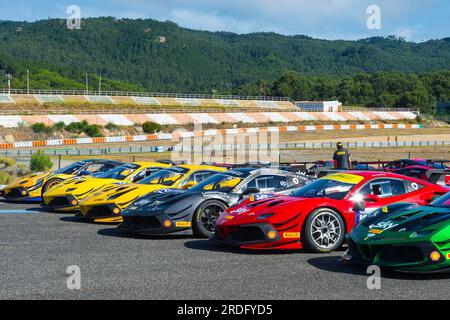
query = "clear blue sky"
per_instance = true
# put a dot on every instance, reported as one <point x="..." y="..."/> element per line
<point x="416" y="20"/>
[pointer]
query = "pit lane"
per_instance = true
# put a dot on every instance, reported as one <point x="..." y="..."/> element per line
<point x="38" y="246"/>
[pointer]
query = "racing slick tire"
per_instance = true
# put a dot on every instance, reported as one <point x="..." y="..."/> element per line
<point x="205" y="216"/>
<point x="324" y="231"/>
<point x="50" y="183"/>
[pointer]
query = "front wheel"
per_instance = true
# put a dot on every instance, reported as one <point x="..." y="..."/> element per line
<point x="205" y="217"/>
<point x="324" y="230"/>
<point x="50" y="184"/>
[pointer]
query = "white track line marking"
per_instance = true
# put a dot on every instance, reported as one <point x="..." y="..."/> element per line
<point x="18" y="211"/>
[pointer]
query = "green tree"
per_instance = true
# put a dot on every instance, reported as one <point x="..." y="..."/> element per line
<point x="151" y="127"/>
<point x="40" y="162"/>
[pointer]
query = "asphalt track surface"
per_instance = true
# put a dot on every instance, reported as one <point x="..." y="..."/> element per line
<point x="37" y="247"/>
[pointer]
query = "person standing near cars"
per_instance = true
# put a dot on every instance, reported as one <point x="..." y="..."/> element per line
<point x="341" y="158"/>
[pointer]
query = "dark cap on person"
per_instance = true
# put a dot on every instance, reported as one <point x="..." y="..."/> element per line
<point x="339" y="145"/>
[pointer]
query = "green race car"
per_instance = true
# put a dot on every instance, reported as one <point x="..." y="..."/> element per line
<point x="404" y="237"/>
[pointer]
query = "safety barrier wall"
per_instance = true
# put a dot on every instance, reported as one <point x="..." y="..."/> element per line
<point x="201" y="133"/>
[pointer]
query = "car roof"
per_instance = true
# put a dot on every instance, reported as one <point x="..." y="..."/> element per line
<point x="379" y="174"/>
<point x="201" y="167"/>
<point x="151" y="164"/>
<point x="101" y="161"/>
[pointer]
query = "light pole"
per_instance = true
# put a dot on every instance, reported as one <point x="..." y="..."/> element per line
<point x="28" y="81"/>
<point x="9" y="77"/>
<point x="87" y="84"/>
<point x="100" y="84"/>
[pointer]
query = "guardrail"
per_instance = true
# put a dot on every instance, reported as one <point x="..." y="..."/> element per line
<point x="140" y="94"/>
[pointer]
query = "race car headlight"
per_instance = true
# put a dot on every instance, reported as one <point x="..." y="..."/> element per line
<point x="264" y="216"/>
<point x="37" y="185"/>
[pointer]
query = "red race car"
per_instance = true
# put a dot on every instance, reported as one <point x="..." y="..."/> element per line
<point x="318" y="215"/>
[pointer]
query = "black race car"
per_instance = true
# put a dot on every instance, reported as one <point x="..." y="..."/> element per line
<point x="196" y="210"/>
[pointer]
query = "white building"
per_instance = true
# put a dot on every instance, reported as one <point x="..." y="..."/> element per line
<point x="319" y="106"/>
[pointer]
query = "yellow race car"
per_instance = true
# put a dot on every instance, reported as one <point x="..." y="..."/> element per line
<point x="31" y="187"/>
<point x="65" y="197"/>
<point x="106" y="204"/>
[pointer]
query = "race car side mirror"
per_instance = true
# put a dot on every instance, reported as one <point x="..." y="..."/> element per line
<point x="138" y="178"/>
<point x="359" y="206"/>
<point x="371" y="198"/>
<point x="189" y="184"/>
<point x="84" y="173"/>
<point x="251" y="190"/>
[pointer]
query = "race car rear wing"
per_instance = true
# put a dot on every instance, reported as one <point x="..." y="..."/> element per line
<point x="299" y="168"/>
<point x="439" y="176"/>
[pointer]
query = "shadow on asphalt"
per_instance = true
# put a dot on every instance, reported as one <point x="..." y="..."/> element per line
<point x="336" y="265"/>
<point x="208" y="245"/>
<point x="19" y="202"/>
<point x="115" y="232"/>
<point x="38" y="209"/>
<point x="73" y="219"/>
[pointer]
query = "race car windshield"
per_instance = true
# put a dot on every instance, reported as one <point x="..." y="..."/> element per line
<point x="119" y="173"/>
<point x="166" y="177"/>
<point x="218" y="182"/>
<point x="324" y="188"/>
<point x="70" y="168"/>
<point x="417" y="162"/>
<point x="442" y="202"/>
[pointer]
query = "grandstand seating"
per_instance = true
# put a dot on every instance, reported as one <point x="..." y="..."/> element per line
<point x="208" y="117"/>
<point x="75" y="99"/>
<point x="48" y="98"/>
<point x="146" y="101"/>
<point x="267" y="104"/>
<point x="5" y="98"/>
<point x="99" y="99"/>
<point x="228" y="103"/>
<point x="23" y="99"/>
<point x="123" y="101"/>
<point x="10" y="121"/>
<point x="171" y="110"/>
<point x="117" y="119"/>
<point x="140" y="100"/>
<point x="188" y="102"/>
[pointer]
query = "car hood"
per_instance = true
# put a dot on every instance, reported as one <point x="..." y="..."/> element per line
<point x="78" y="186"/>
<point x="28" y="181"/>
<point x="156" y="200"/>
<point x="275" y="208"/>
<point x="62" y="176"/>
<point x="417" y="223"/>
<point x="120" y="192"/>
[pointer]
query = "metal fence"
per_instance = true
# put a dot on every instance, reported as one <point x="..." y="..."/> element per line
<point x="140" y="94"/>
<point x="226" y="147"/>
<point x="350" y="109"/>
<point x="358" y="109"/>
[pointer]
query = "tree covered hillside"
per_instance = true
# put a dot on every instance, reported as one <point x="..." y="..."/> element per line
<point x="161" y="56"/>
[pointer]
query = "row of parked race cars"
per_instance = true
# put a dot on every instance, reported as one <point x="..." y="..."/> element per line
<point x="385" y="218"/>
